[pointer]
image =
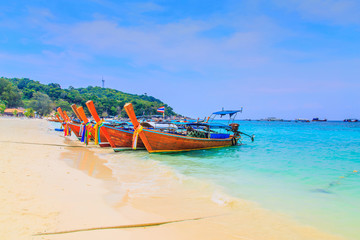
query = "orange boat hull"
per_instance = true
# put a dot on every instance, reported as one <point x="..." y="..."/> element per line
<point x="122" y="138"/>
<point x="165" y="142"/>
<point x="75" y="128"/>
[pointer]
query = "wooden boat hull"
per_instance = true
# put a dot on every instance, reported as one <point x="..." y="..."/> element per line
<point x="166" y="142"/>
<point x="122" y="139"/>
<point x="54" y="120"/>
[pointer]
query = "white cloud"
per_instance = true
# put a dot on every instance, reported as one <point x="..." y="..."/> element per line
<point x="331" y="11"/>
<point x="172" y="46"/>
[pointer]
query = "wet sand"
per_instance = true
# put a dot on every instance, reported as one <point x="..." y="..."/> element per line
<point x="47" y="187"/>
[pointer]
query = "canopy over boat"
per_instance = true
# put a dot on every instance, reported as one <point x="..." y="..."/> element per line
<point x="225" y="112"/>
<point x="232" y="114"/>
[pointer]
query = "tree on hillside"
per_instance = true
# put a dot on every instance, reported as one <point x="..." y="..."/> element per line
<point x="53" y="90"/>
<point x="106" y="99"/>
<point x="10" y="93"/>
<point x="113" y="111"/>
<point x="41" y="103"/>
<point x="29" y="112"/>
<point x="104" y="114"/>
<point x="2" y="106"/>
<point x="64" y="105"/>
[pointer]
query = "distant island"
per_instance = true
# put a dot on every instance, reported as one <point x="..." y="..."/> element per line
<point x="44" y="98"/>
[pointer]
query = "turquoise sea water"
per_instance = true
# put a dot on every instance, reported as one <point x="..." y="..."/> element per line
<point x="303" y="170"/>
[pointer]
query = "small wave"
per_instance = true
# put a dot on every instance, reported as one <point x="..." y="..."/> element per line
<point x="222" y="199"/>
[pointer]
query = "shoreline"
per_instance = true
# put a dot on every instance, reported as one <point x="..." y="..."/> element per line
<point x="43" y="190"/>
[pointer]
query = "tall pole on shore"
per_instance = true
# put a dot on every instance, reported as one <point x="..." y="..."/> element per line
<point x="103" y="82"/>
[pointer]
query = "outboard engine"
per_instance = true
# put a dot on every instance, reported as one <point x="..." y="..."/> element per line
<point x="234" y="127"/>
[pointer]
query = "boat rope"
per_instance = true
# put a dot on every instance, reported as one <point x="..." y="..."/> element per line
<point x="154" y="224"/>
<point x="45" y="144"/>
<point x="136" y="136"/>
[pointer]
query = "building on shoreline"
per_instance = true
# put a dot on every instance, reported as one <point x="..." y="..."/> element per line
<point x="11" y="112"/>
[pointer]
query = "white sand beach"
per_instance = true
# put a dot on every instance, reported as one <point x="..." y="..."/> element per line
<point x="51" y="184"/>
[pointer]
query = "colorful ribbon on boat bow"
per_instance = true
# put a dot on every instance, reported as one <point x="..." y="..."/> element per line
<point x="67" y="130"/>
<point x="86" y="133"/>
<point x="97" y="127"/>
<point x="136" y="136"/>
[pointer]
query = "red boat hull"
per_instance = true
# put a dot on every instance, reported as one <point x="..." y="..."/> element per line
<point x="121" y="138"/>
<point x="165" y="142"/>
<point x="75" y="128"/>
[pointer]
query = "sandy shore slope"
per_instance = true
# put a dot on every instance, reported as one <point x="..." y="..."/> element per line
<point x="45" y="187"/>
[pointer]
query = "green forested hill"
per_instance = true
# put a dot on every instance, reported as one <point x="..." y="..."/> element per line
<point x="16" y="92"/>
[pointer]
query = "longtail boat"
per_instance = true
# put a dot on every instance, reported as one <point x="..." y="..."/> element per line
<point x="65" y="123"/>
<point x="120" y="138"/>
<point x="202" y="137"/>
<point x="87" y="129"/>
<point x="66" y="116"/>
<point x="75" y="126"/>
<point x="55" y="119"/>
<point x="74" y="108"/>
<point x="58" y="119"/>
<point x="71" y="125"/>
<point x="100" y="136"/>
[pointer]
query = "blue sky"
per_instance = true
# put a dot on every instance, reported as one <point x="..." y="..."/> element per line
<point x="288" y="59"/>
